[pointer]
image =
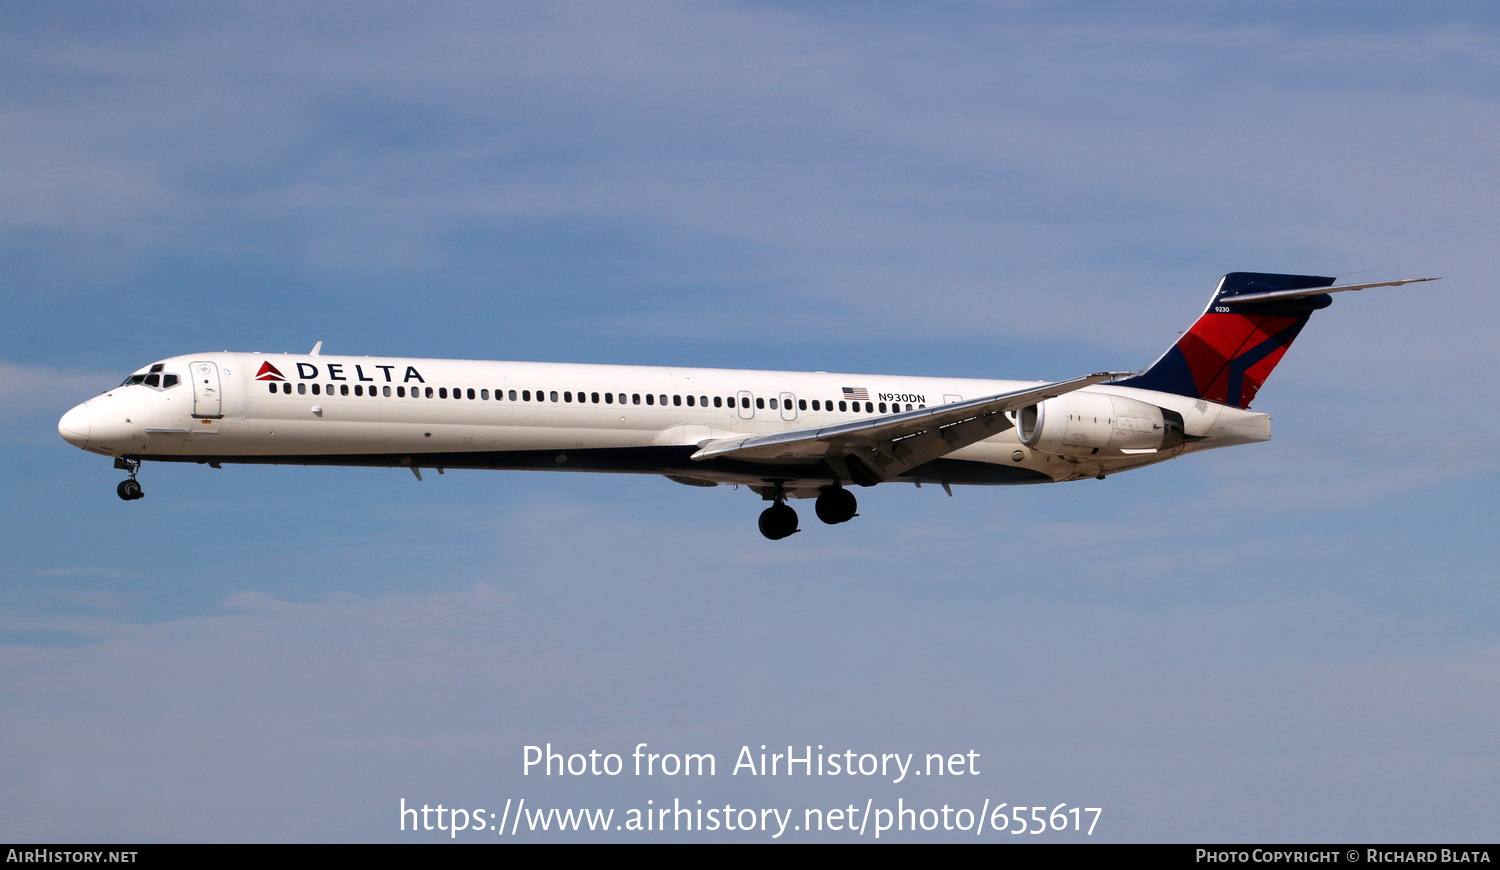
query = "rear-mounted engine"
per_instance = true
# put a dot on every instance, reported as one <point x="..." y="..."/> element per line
<point x="1085" y="424"/>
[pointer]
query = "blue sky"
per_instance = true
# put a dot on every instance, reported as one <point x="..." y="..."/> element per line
<point x="1298" y="640"/>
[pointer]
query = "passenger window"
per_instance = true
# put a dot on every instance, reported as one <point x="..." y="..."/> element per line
<point x="718" y="401"/>
<point x="286" y="387"/>
<point x="525" y="395"/>
<point x="842" y="406"/>
<point x="552" y="395"/>
<point x="358" y="390"/>
<point x="802" y="404"/>
<point x="635" y="398"/>
<point x="302" y="389"/>
<point x="677" y="400"/>
<point x="690" y="401"/>
<point x="650" y="399"/>
<point x="594" y="397"/>
<point x="428" y="392"/>
<point x="272" y="386"/>
<point x="485" y="394"/>
<point x="760" y="403"/>
<point x="882" y="407"/>
<point x="470" y="392"/>
<point x="773" y="404"/>
<point x="343" y="389"/>
<point x="567" y="395"/>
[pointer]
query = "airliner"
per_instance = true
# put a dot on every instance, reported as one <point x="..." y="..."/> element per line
<point x="783" y="435"/>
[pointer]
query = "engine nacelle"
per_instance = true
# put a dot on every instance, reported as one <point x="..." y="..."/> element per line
<point x="1085" y="424"/>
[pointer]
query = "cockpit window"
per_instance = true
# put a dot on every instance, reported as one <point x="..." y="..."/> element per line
<point x="156" y="380"/>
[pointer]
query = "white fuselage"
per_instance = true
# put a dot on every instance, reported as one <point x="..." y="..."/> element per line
<point x="379" y="411"/>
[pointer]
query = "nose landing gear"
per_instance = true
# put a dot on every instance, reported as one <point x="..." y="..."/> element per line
<point x="130" y="489"/>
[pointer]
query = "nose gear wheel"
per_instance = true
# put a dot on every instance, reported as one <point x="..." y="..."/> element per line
<point x="129" y="489"/>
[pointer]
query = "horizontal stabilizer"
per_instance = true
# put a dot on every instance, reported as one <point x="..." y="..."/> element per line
<point x="1314" y="291"/>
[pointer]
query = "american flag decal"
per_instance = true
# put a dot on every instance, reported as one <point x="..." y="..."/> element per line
<point x="859" y="394"/>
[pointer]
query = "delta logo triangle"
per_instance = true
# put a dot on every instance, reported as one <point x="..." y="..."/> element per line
<point x="268" y="372"/>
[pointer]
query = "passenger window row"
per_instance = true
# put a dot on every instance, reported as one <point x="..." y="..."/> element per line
<point x="569" y="397"/>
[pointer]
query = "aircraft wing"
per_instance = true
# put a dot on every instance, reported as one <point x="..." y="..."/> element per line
<point x="883" y="447"/>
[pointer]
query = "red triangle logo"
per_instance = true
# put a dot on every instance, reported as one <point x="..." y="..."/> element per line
<point x="268" y="373"/>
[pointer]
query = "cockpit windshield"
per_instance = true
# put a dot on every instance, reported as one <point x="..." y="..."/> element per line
<point x="155" y="378"/>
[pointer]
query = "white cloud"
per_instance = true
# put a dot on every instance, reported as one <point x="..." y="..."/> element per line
<point x="34" y="397"/>
<point x="278" y="720"/>
<point x="1225" y="638"/>
<point x="1015" y="155"/>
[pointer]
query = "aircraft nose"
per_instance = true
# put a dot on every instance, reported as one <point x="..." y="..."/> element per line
<point x="74" y="426"/>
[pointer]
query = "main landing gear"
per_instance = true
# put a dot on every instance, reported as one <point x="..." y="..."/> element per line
<point x="835" y="505"/>
<point x="778" y="521"/>
<point x="130" y="489"/>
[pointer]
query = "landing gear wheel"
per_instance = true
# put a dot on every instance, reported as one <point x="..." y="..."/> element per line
<point x="129" y="490"/>
<point x="837" y="505"/>
<point x="778" y="521"/>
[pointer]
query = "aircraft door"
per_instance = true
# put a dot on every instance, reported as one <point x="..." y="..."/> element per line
<point x="207" y="401"/>
<point x="747" y="405"/>
<point x="788" y="407"/>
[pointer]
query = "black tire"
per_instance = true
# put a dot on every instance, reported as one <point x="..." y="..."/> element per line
<point x="836" y="506"/>
<point x="778" y="521"/>
<point x="129" y="490"/>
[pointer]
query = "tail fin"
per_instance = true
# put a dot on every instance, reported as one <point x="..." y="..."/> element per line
<point x="1231" y="349"/>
